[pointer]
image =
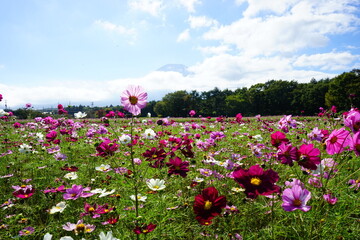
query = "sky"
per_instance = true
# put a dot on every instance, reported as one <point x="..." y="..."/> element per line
<point x="88" y="51"/>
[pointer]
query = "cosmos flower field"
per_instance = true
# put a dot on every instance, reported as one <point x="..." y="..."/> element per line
<point x="282" y="177"/>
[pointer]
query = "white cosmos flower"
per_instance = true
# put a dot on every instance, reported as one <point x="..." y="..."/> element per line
<point x="71" y="175"/>
<point x="58" y="208"/>
<point x="108" y="236"/>
<point x="39" y="136"/>
<point x="47" y="236"/>
<point x="139" y="197"/>
<point x="25" y="148"/>
<point x="149" y="134"/>
<point x="125" y="139"/>
<point x="102" y="192"/>
<point x="198" y="180"/>
<point x="258" y="137"/>
<point x="103" y="168"/>
<point x="156" y="184"/>
<point x="80" y="115"/>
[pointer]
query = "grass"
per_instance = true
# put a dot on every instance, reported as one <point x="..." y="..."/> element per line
<point x="172" y="208"/>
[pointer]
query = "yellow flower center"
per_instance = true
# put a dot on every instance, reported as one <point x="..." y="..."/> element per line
<point x="297" y="202"/>
<point x="145" y="230"/>
<point x="207" y="205"/>
<point x="156" y="187"/>
<point x="80" y="227"/>
<point x="133" y="100"/>
<point x="255" y="181"/>
<point x="91" y="209"/>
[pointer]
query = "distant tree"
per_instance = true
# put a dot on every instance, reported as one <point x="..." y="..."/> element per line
<point x="238" y="102"/>
<point x="340" y="89"/>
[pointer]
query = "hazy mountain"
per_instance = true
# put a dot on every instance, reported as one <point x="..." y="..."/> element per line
<point x="180" y="68"/>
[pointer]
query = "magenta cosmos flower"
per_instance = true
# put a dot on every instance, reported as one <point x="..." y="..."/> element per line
<point x="107" y="148"/>
<point x="134" y="99"/>
<point x="309" y="156"/>
<point x="77" y="191"/>
<point x="256" y="181"/>
<point x="23" y="191"/>
<point x="277" y="138"/>
<point x="296" y="198"/>
<point x="287" y="154"/>
<point x="337" y="141"/>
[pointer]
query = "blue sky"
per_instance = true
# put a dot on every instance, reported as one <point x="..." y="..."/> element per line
<point x="84" y="51"/>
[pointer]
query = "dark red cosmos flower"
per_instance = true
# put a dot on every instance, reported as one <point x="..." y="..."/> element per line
<point x="177" y="167"/>
<point x="144" y="229"/>
<point x="95" y="210"/>
<point x="107" y="148"/>
<point x="157" y="155"/>
<point x="309" y="156"/>
<point x="256" y="181"/>
<point x="69" y="168"/>
<point x="277" y="138"/>
<point x="208" y="205"/>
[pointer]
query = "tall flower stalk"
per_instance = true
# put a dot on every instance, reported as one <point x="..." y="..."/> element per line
<point x="134" y="99"/>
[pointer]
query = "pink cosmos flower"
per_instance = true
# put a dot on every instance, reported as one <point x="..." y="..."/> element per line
<point x="192" y="113"/>
<point x="337" y="141"/>
<point x="1" y="97"/>
<point x="330" y="199"/>
<point x="26" y="231"/>
<point x="134" y="99"/>
<point x="355" y="143"/>
<point x="77" y="191"/>
<point x="352" y="120"/>
<point x="296" y="198"/>
<point x="78" y="227"/>
<point x="316" y="134"/>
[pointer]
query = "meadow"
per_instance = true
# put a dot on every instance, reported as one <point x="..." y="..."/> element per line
<point x="281" y="177"/>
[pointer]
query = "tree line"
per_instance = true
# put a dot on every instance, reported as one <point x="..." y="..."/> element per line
<point x="274" y="97"/>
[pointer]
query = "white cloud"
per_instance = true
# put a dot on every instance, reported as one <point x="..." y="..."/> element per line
<point x="303" y="24"/>
<point x="184" y="36"/>
<point x="216" y="50"/>
<point x="201" y="21"/>
<point x="189" y="4"/>
<point x="108" y="26"/>
<point x="327" y="61"/>
<point x="152" y="7"/>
